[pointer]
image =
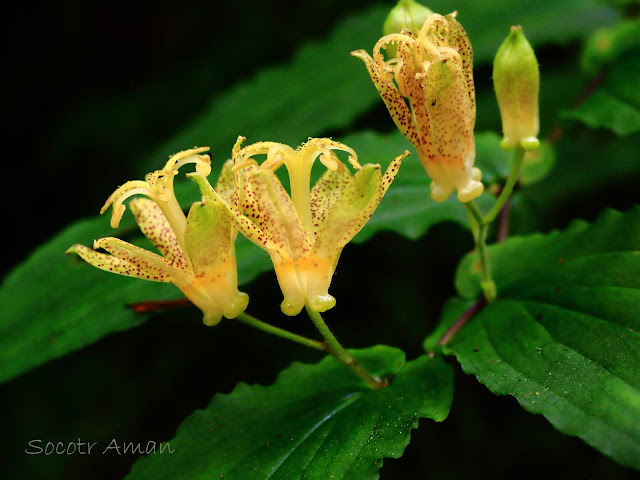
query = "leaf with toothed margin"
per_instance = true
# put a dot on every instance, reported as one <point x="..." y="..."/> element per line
<point x="332" y="428"/>
<point x="563" y="337"/>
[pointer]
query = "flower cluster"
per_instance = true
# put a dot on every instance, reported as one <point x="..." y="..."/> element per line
<point x="304" y="232"/>
<point x="428" y="89"/>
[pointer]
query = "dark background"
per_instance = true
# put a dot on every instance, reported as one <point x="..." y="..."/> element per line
<point x="90" y="87"/>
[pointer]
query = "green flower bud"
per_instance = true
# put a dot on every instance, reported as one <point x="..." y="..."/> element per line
<point x="406" y="14"/>
<point x="516" y="79"/>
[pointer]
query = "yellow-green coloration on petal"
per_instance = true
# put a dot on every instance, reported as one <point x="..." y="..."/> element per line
<point x="516" y="79"/>
<point x="304" y="232"/>
<point x="429" y="91"/>
<point x="198" y="251"/>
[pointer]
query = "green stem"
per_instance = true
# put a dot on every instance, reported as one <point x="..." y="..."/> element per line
<point x="341" y="354"/>
<point x="508" y="188"/>
<point x="265" y="327"/>
<point x="488" y="285"/>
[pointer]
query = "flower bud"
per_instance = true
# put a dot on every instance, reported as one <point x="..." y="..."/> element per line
<point x="406" y="14"/>
<point x="516" y="79"/>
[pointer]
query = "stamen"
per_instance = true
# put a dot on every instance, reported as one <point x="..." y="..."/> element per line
<point x="119" y="208"/>
<point x="427" y="27"/>
<point x="392" y="38"/>
<point x="354" y="163"/>
<point x="180" y="158"/>
<point x="275" y="158"/>
<point x="328" y="162"/>
<point x="203" y="163"/>
<point x="138" y="185"/>
<point x="236" y="146"/>
<point x="451" y="54"/>
<point x="244" y="163"/>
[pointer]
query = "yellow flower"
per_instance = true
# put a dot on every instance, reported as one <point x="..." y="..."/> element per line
<point x="305" y="232"/>
<point x="198" y="250"/>
<point x="432" y="73"/>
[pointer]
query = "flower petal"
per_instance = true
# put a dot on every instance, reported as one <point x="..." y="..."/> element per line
<point x="210" y="239"/>
<point x="111" y="263"/>
<point x="391" y="96"/>
<point x="350" y="212"/>
<point x="139" y="257"/>
<point x="449" y="108"/>
<point x="325" y="193"/>
<point x="410" y="71"/>
<point x="267" y="204"/>
<point x="156" y="228"/>
<point x="391" y="172"/>
<point x="226" y="185"/>
<point x="460" y="41"/>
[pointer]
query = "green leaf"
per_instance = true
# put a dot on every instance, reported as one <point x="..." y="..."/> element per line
<point x="323" y="89"/>
<point x="589" y="168"/>
<point x="340" y="91"/>
<point x="97" y="307"/>
<point x="564" y="335"/>
<point x="548" y="21"/>
<point x="615" y="104"/>
<point x="315" y="422"/>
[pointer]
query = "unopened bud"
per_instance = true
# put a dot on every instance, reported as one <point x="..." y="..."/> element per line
<point x="406" y="14"/>
<point x="516" y="79"/>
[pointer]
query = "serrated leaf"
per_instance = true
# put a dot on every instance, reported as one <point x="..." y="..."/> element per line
<point x="315" y="422"/>
<point x="564" y="335"/>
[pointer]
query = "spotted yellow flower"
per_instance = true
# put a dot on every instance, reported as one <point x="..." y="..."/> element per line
<point x="198" y="250"/>
<point x="304" y="232"/>
<point x="428" y="89"/>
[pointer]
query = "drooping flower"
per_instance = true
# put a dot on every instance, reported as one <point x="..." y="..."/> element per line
<point x="198" y="250"/>
<point x="429" y="92"/>
<point x="303" y="232"/>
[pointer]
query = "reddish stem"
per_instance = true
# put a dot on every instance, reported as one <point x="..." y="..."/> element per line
<point x="503" y="223"/>
<point x="460" y="322"/>
<point x="144" y="307"/>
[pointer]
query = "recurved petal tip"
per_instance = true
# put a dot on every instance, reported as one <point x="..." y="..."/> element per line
<point x="72" y="249"/>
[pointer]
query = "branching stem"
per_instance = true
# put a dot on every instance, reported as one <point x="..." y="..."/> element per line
<point x="341" y="354"/>
<point x="508" y="188"/>
<point x="294" y="337"/>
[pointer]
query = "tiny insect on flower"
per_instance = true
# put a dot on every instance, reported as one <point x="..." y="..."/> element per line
<point x="198" y="250"/>
<point x="428" y="89"/>
<point x="303" y="232"/>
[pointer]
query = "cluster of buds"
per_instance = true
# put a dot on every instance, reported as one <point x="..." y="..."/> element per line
<point x="304" y="232"/>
